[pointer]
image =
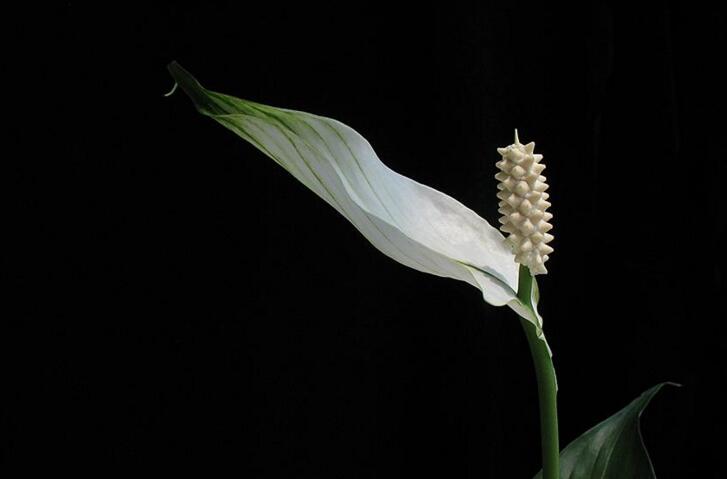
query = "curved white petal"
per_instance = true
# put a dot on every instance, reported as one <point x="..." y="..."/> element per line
<point x="412" y="223"/>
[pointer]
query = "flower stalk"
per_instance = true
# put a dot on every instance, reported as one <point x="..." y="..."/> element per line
<point x="547" y="383"/>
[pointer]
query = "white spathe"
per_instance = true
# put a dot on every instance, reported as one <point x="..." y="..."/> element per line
<point x="412" y="223"/>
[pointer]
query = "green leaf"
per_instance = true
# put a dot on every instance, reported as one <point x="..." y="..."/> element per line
<point x="613" y="449"/>
<point x="412" y="223"/>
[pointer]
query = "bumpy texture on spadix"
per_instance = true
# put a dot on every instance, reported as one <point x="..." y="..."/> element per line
<point x="523" y="202"/>
<point x="412" y="223"/>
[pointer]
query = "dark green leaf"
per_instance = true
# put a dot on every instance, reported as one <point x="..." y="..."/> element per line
<point x="613" y="449"/>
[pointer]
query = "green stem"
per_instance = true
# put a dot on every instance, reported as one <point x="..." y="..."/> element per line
<point x="547" y="386"/>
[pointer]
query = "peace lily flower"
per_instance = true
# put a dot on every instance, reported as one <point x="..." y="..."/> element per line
<point x="431" y="232"/>
<point x="411" y="223"/>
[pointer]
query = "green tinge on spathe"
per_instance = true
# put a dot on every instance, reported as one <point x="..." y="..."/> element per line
<point x="613" y="449"/>
<point x="410" y="222"/>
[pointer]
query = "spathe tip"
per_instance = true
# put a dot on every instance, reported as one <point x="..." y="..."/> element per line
<point x="517" y="140"/>
<point x="200" y="97"/>
<point x="174" y="88"/>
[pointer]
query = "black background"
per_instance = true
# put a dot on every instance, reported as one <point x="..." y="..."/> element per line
<point x="181" y="302"/>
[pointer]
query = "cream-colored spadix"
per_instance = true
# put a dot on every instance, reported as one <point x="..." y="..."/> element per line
<point x="523" y="202"/>
<point x="410" y="222"/>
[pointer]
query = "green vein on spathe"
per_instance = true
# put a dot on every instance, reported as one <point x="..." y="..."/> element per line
<point x="249" y="109"/>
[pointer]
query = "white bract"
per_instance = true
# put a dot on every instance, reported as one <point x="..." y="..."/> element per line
<point x="410" y="222"/>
